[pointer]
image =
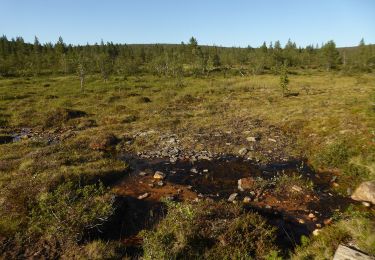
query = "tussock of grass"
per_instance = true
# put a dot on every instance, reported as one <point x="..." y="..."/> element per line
<point x="209" y="231"/>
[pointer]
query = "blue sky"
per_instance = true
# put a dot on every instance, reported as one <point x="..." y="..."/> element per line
<point x="220" y="22"/>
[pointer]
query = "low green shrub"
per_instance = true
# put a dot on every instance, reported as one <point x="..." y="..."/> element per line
<point x="68" y="212"/>
<point x="335" y="155"/>
<point x="209" y="231"/>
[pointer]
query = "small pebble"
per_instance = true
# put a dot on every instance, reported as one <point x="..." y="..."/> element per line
<point x="366" y="204"/>
<point x="143" y="196"/>
<point x="316" y="232"/>
<point x="232" y="197"/>
<point x="159" y="175"/>
<point x="193" y="170"/>
<point x="247" y="199"/>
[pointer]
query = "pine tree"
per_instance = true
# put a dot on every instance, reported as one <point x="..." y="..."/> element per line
<point x="331" y="56"/>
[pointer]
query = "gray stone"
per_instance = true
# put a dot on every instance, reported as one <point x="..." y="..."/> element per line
<point x="232" y="197"/>
<point x="347" y="253"/>
<point x="143" y="196"/>
<point x="365" y="192"/>
<point x="193" y="170"/>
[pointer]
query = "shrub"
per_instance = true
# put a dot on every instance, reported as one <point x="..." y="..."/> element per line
<point x="211" y="230"/>
<point x="65" y="214"/>
<point x="335" y="155"/>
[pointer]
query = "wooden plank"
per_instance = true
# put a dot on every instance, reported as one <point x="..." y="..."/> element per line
<point x="346" y="253"/>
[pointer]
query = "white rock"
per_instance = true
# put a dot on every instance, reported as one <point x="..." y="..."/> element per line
<point x="311" y="216"/>
<point x="143" y="196"/>
<point x="232" y="197"/>
<point x="316" y="232"/>
<point x="366" y="204"/>
<point x="251" y="139"/>
<point x="159" y="175"/>
<point x="365" y="192"/>
<point x="193" y="170"/>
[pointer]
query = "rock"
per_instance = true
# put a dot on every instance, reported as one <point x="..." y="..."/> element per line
<point x="296" y="188"/>
<point x="365" y="192"/>
<point x="245" y="183"/>
<point x="193" y="170"/>
<point x="316" y="232"/>
<point x="243" y="151"/>
<point x="311" y="216"/>
<point x="251" y="139"/>
<point x="349" y="253"/>
<point x="143" y="196"/>
<point x="160" y="183"/>
<point x="366" y="204"/>
<point x="159" y="175"/>
<point x="301" y="221"/>
<point x="142" y="173"/>
<point x="247" y="200"/>
<point x="232" y="197"/>
<point x="272" y="140"/>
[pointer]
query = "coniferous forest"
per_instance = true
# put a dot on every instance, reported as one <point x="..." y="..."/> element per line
<point x="24" y="59"/>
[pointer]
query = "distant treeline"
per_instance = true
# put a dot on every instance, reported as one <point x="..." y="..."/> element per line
<point x="18" y="58"/>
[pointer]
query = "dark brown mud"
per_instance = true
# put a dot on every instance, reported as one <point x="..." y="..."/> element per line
<point x="292" y="214"/>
